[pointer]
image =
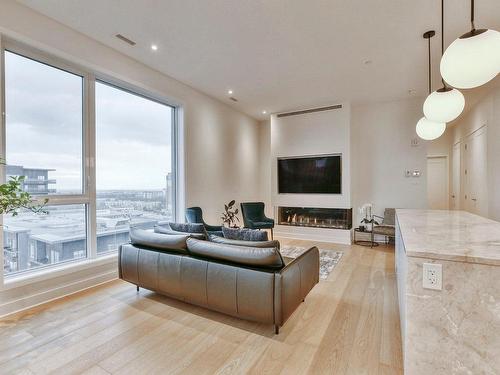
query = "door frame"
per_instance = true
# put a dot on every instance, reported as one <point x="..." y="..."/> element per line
<point x="466" y="140"/>
<point x="447" y="163"/>
<point x="459" y="198"/>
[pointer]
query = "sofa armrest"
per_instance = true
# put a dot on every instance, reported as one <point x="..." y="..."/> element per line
<point x="293" y="283"/>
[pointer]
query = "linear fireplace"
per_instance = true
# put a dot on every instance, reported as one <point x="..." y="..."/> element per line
<point x="332" y="218"/>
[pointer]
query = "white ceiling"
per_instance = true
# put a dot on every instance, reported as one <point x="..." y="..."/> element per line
<point x="279" y="55"/>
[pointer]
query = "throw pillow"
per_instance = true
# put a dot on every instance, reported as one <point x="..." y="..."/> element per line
<point x="187" y="227"/>
<point x="244" y="234"/>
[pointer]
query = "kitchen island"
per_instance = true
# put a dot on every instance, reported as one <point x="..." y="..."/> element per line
<point x="454" y="329"/>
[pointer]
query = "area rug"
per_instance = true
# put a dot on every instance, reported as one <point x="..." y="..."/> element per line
<point x="328" y="259"/>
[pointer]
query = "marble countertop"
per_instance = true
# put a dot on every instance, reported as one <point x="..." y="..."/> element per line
<point x="450" y="235"/>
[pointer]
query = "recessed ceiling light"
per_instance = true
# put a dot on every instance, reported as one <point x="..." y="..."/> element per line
<point x="264" y="112"/>
<point x="154" y="47"/>
<point x="230" y="92"/>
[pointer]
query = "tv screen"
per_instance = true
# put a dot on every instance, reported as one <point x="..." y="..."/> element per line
<point x="310" y="175"/>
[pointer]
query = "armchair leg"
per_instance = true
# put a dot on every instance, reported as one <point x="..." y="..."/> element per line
<point x="137" y="286"/>
<point x="276" y="329"/>
<point x="272" y="236"/>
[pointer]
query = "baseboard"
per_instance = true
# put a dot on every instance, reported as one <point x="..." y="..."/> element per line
<point x="44" y="296"/>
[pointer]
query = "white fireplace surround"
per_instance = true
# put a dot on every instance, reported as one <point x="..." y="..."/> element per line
<point x="307" y="134"/>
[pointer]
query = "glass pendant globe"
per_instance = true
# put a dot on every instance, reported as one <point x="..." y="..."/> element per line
<point x="430" y="130"/>
<point x="472" y="60"/>
<point x="444" y="105"/>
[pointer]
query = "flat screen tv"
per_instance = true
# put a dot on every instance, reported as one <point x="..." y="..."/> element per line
<point x="310" y="175"/>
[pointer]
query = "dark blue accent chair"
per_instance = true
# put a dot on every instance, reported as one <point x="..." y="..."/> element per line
<point x="254" y="216"/>
<point x="195" y="215"/>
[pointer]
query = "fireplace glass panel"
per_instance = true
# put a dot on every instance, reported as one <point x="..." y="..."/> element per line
<point x="334" y="218"/>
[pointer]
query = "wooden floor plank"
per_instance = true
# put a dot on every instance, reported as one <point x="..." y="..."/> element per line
<point x="349" y="324"/>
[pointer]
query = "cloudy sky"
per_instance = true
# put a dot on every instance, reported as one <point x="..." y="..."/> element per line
<point x="44" y="129"/>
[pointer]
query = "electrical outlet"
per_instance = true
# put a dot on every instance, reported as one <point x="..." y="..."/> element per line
<point x="432" y="277"/>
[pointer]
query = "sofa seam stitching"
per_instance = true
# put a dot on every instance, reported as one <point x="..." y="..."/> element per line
<point x="237" y="307"/>
<point x="206" y="284"/>
<point x="137" y="266"/>
<point x="158" y="273"/>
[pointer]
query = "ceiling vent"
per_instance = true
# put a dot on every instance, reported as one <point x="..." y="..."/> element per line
<point x="125" y="39"/>
<point x="312" y="110"/>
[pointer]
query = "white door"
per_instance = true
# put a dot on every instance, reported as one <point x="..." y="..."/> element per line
<point x="455" y="176"/>
<point x="476" y="172"/>
<point x="437" y="182"/>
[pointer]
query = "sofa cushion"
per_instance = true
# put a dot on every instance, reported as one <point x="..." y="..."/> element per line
<point x="144" y="238"/>
<point x="229" y="241"/>
<point x="265" y="258"/>
<point x="187" y="227"/>
<point x="163" y="230"/>
<point x="244" y="234"/>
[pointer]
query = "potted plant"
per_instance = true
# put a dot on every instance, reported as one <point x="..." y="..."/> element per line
<point x="366" y="210"/>
<point x="229" y="216"/>
<point x="13" y="198"/>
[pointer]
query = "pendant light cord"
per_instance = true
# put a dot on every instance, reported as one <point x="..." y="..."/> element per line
<point x="442" y="37"/>
<point x="472" y="14"/>
<point x="429" y="50"/>
<point x="442" y="28"/>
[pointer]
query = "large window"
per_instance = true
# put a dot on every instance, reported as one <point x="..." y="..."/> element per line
<point x="59" y="119"/>
<point x="44" y="126"/>
<point x="133" y="164"/>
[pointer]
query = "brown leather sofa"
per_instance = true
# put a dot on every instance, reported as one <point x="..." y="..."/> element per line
<point x="247" y="282"/>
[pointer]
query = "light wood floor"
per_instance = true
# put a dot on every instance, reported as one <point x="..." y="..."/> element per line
<point x="348" y="325"/>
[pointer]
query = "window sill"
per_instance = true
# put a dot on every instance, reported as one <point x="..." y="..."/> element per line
<point x="15" y="281"/>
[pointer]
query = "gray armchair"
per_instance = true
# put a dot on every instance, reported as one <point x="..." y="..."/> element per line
<point x="387" y="227"/>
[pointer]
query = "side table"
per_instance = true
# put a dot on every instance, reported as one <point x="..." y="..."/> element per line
<point x="366" y="242"/>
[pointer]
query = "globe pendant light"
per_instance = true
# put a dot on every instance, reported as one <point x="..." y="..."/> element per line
<point x="430" y="130"/>
<point x="427" y="129"/>
<point x="445" y="104"/>
<point x="473" y="59"/>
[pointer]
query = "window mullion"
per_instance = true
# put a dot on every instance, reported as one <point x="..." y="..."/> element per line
<point x="89" y="157"/>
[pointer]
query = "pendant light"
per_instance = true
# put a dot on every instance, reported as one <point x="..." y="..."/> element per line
<point x="430" y="130"/>
<point x="473" y="59"/>
<point x="427" y="129"/>
<point x="445" y="104"/>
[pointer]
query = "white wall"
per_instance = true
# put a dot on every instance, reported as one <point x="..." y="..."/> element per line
<point x="380" y="151"/>
<point x="220" y="144"/>
<point x="265" y="166"/>
<point x="443" y="147"/>
<point x="485" y="112"/>
<point x="381" y="135"/>
<point x="315" y="133"/>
